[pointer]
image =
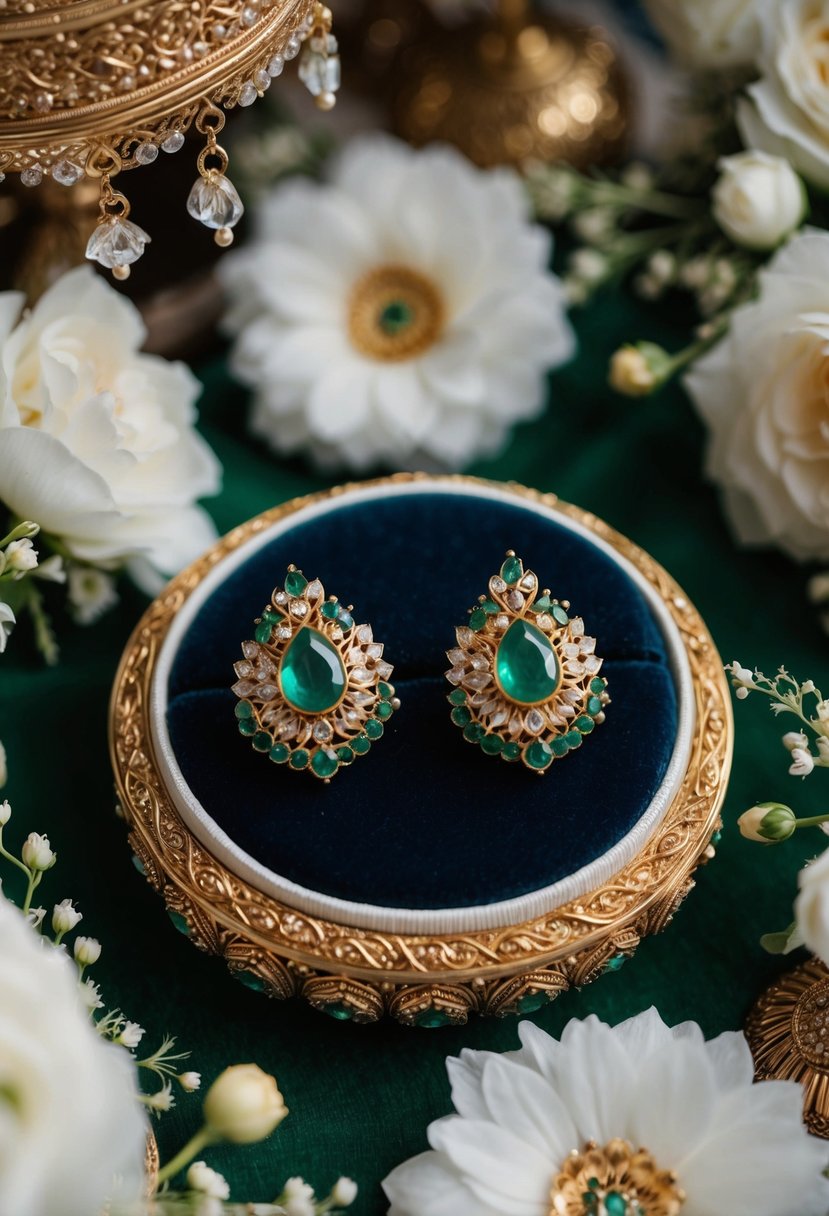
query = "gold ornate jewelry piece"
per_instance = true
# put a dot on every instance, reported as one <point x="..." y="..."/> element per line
<point x="93" y="87"/>
<point x="527" y="683"/>
<point x="313" y="686"/>
<point x="419" y="979"/>
<point x="614" y="1180"/>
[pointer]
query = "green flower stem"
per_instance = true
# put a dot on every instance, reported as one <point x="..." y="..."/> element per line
<point x="202" y="1139"/>
<point x="10" y="857"/>
<point x="44" y="637"/>
<point x="657" y="202"/>
<point x="813" y="821"/>
<point x="34" y="882"/>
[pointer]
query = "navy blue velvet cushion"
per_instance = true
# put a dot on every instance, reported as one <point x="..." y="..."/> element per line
<point x="426" y="820"/>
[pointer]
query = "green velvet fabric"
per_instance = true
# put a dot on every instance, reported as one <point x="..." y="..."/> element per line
<point x="361" y="1097"/>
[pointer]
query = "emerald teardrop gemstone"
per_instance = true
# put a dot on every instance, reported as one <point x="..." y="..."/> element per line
<point x="526" y="666"/>
<point x="311" y="675"/>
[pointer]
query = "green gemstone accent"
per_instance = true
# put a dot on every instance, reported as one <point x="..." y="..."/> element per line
<point x="346" y="620"/>
<point x="374" y="729"/>
<point x="345" y="755"/>
<point x="616" y="963"/>
<point x="457" y="696"/>
<point x="538" y="755"/>
<point x="262" y="632"/>
<point x="492" y="744"/>
<point x="262" y="741"/>
<point x="584" y="724"/>
<point x="243" y="710"/>
<point x="542" y="604"/>
<point x="360" y="745"/>
<point x="139" y="865"/>
<point x="385" y="690"/>
<point x="461" y="716"/>
<point x="560" y="745"/>
<point x="489" y="607"/>
<point x="179" y="922"/>
<point x="279" y="753"/>
<point x="250" y="980"/>
<point x="526" y="667"/>
<point x="395" y="316"/>
<point x="594" y="705"/>
<point x="559" y="614"/>
<point x="384" y="710"/>
<point x="247" y="726"/>
<point x="299" y="759"/>
<point x="593" y="1183"/>
<point x="717" y="837"/>
<point x="512" y="570"/>
<point x="597" y="684"/>
<point x="589" y="1200"/>
<point x="324" y="763"/>
<point x="473" y="732"/>
<point x="477" y="620"/>
<point x="432" y="1018"/>
<point x="530" y="1002"/>
<point x="573" y="738"/>
<point x="331" y="610"/>
<point x="511" y="751"/>
<point x="311" y="675"/>
<point x="271" y="615"/>
<point x="295" y="582"/>
<point x="338" y="1011"/>
<point x="615" y="1204"/>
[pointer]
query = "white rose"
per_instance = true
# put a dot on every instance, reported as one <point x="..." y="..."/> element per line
<point x="788" y="113"/>
<point x="811" y="907"/>
<point x="764" y="393"/>
<point x="69" y="1117"/>
<point x="707" y="33"/>
<point x="96" y="439"/>
<point x="758" y="199"/>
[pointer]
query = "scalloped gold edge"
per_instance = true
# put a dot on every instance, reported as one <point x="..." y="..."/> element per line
<point x="274" y="947"/>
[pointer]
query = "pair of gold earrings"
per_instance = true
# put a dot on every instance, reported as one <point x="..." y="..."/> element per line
<point x="315" y="691"/>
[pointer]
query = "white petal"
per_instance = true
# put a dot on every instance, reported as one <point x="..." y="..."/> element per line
<point x="452" y="368"/>
<point x="595" y="1078"/>
<point x="731" y="1058"/>
<point x="672" y="1101"/>
<point x="427" y="1185"/>
<point x="465" y="1077"/>
<point x="521" y="1101"/>
<point x="498" y="1166"/>
<point x="339" y="401"/>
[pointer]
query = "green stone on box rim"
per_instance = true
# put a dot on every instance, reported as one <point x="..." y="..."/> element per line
<point x="339" y="1011"/>
<point x="531" y="1002"/>
<point x="299" y="759"/>
<point x="373" y="728"/>
<point x="251" y="980"/>
<point x="616" y="963"/>
<point x="460" y="715"/>
<point x="295" y="582"/>
<point x="457" y="697"/>
<point x="430" y="1019"/>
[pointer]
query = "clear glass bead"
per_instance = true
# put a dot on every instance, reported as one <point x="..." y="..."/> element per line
<point x="249" y="15"/>
<point x="319" y="73"/>
<point x="116" y="242"/>
<point x="173" y="142"/>
<point x="262" y="79"/>
<point x="44" y="102"/>
<point x="32" y="176"/>
<point x="292" y="47"/>
<point x="66" y="173"/>
<point x="276" y="65"/>
<point x="146" y="153"/>
<point x="248" y="94"/>
<point x="214" y="201"/>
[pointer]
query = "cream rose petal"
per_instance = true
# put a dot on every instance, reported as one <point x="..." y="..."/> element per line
<point x="429" y="1186"/>
<point x="497" y="1166"/>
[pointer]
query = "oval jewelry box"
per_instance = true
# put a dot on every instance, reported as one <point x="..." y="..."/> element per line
<point x="430" y="880"/>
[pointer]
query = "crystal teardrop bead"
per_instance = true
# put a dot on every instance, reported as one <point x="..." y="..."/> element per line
<point x="214" y="201"/>
<point x="116" y="242"/>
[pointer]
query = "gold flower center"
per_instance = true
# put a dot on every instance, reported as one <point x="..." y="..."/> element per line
<point x="615" y="1180"/>
<point x="395" y="313"/>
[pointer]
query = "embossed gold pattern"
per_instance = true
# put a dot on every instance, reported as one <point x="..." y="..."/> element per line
<point x="788" y="1033"/>
<point x="456" y="972"/>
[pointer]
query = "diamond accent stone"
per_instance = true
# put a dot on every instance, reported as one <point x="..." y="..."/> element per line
<point x="570" y="650"/>
<point x="374" y="651"/>
<point x="587" y="645"/>
<point x="478" y="679"/>
<point x="592" y="664"/>
<point x="364" y="634"/>
<point x="516" y="601"/>
<point x="361" y="674"/>
<point x="214" y="201"/>
<point x="116" y="242"/>
<point x="502" y="622"/>
<point x="146" y="153"/>
<point x="361" y="697"/>
<point x="535" y="722"/>
<point x="250" y="649"/>
<point x="322" y="732"/>
<point x="299" y="608"/>
<point x="32" y="176"/>
<point x="284" y="632"/>
<point x="574" y="667"/>
<point x="268" y="692"/>
<point x="280" y="598"/>
<point x="314" y="590"/>
<point x="498" y="718"/>
<point x="243" y="687"/>
<point x="173" y="142"/>
<point x="528" y="582"/>
<point x="456" y="656"/>
<point x="66" y="173"/>
<point x="567" y="710"/>
<point x="497" y="585"/>
<point x="479" y="663"/>
<point x="384" y="670"/>
<point x="543" y="621"/>
<point x="320" y="73"/>
<point x="577" y="625"/>
<point x="464" y="635"/>
<point x="455" y="675"/>
<point x="243" y="670"/>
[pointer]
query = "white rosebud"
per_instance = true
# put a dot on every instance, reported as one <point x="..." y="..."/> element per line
<point x="65" y="916"/>
<point x="190" y="1081"/>
<point x="131" y="1035"/>
<point x="243" y="1104"/>
<point x="87" y="951"/>
<point x="638" y="370"/>
<point x="21" y="557"/>
<point x="91" y="995"/>
<point x="802" y="762"/>
<point x="36" y="853"/>
<point x="202" y="1178"/>
<point x="758" y="199"/>
<point x="5" y="812"/>
<point x="769" y="822"/>
<point x="298" y="1188"/>
<point x="793" y="739"/>
<point x="344" y="1192"/>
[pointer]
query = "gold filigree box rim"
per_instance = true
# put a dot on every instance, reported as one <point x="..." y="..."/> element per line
<point x="642" y="894"/>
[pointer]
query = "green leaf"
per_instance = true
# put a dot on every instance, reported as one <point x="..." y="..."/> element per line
<point x="783" y="942"/>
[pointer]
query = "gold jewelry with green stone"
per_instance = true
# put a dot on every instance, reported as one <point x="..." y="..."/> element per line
<point x="526" y="677"/>
<point x="313" y="686"/>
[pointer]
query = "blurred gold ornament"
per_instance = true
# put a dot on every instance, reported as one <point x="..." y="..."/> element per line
<point x="93" y="87"/>
<point x="519" y="86"/>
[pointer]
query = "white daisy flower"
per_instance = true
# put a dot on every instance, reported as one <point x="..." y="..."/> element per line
<point x="635" y="1120"/>
<point x="401" y="313"/>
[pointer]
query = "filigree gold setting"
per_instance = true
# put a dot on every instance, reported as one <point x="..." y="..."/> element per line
<point x="788" y="1033"/>
<point x="540" y="731"/>
<point x="614" y="1180"/>
<point x="440" y="977"/>
<point x="326" y="741"/>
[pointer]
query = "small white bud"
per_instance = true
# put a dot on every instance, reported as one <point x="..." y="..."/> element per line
<point x="65" y="916"/>
<point x="131" y="1035"/>
<point x="768" y="823"/>
<point x="87" y="951"/>
<point x="202" y="1178"/>
<point x="5" y="812"/>
<point x="35" y="917"/>
<point x="243" y="1104"/>
<point x="802" y="762"/>
<point x="161" y="1101"/>
<point x="21" y="557"/>
<point x="793" y="739"/>
<point x="36" y="852"/>
<point x="190" y="1081"/>
<point x="808" y="686"/>
<point x="91" y="995"/>
<point x="758" y="199"/>
<point x="344" y="1192"/>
